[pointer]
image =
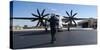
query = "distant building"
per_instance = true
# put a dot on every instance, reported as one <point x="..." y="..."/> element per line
<point x="17" y="27"/>
<point x="27" y="27"/>
<point x="90" y="23"/>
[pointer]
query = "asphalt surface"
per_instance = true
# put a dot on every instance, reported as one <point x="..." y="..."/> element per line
<point x="38" y="39"/>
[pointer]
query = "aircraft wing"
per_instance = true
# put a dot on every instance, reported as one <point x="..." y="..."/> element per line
<point x="21" y="18"/>
<point x="81" y="18"/>
<point x="26" y="18"/>
<point x="65" y="19"/>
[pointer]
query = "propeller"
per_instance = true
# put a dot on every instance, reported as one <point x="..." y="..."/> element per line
<point x="40" y="17"/>
<point x="70" y="18"/>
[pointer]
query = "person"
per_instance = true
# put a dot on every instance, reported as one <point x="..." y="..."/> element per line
<point x="53" y="25"/>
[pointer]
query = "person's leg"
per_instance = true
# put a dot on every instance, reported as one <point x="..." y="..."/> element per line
<point x="53" y="36"/>
<point x="54" y="32"/>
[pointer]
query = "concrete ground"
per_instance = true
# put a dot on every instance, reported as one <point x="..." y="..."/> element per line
<point x="40" y="38"/>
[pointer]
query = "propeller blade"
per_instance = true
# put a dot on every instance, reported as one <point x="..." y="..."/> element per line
<point x="35" y="15"/>
<point x="38" y="12"/>
<point x="45" y="15"/>
<point x="74" y="22"/>
<point x="37" y="24"/>
<point x="66" y="21"/>
<point x="34" y="19"/>
<point x="74" y="14"/>
<point x="42" y="23"/>
<point x="66" y="17"/>
<point x="43" y="12"/>
<point x="71" y="12"/>
<point x="67" y="13"/>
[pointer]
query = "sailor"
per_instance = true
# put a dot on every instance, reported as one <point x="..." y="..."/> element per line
<point x="53" y="25"/>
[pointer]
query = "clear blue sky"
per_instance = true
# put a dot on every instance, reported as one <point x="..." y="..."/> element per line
<point x="24" y="9"/>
